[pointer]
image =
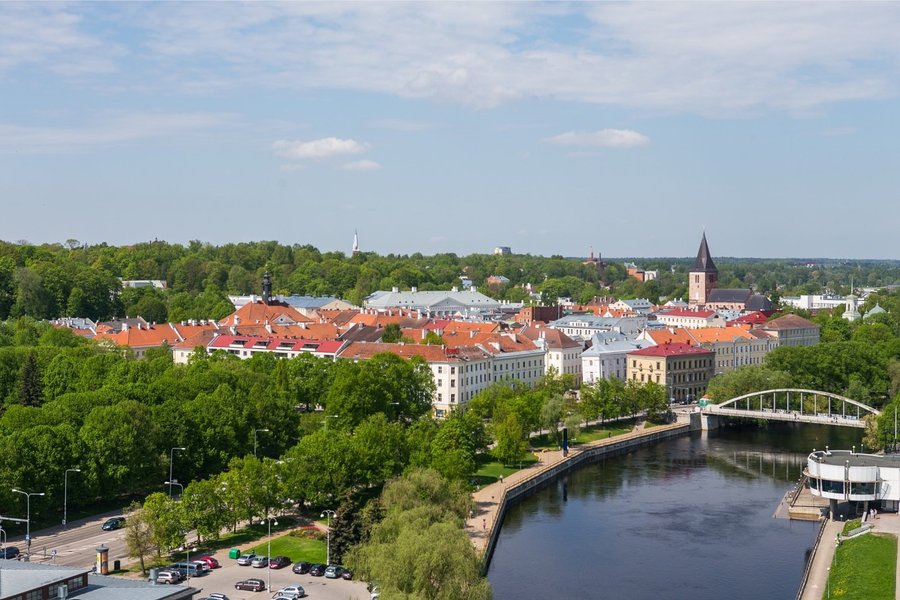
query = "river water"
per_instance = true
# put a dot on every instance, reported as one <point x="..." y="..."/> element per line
<point x="688" y="518"/>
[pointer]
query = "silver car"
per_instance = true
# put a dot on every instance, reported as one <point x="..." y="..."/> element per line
<point x="291" y="591"/>
<point x="244" y="560"/>
<point x="259" y="562"/>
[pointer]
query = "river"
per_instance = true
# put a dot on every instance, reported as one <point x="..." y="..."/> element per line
<point x="688" y="518"/>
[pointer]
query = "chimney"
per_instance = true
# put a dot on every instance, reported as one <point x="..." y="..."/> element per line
<point x="395" y="289"/>
<point x="124" y="326"/>
<point x="237" y="320"/>
<point x="414" y="289"/>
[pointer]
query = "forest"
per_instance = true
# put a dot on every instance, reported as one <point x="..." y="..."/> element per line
<point x="77" y="280"/>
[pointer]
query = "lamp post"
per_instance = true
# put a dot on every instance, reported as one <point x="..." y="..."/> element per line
<point x="326" y="420"/>
<point x="28" y="496"/>
<point x="255" y="431"/>
<point x="171" y="462"/>
<point x="66" y="492"/>
<point x="269" y="555"/>
<point x="828" y="582"/>
<point x="172" y="482"/>
<point x="329" y="514"/>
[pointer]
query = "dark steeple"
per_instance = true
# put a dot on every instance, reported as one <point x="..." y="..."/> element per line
<point x="267" y="288"/>
<point x="704" y="262"/>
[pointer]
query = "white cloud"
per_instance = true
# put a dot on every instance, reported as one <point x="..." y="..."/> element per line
<point x="715" y="59"/>
<point x="361" y="165"/>
<point x="610" y="138"/>
<point x="316" y="149"/>
<point x="107" y="129"/>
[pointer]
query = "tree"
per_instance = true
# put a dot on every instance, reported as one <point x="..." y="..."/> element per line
<point x="551" y="414"/>
<point x="138" y="535"/>
<point x="165" y="520"/>
<point x="511" y="444"/>
<point x="30" y="387"/>
<point x="391" y="333"/>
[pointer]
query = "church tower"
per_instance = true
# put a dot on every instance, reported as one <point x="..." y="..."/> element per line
<point x="703" y="277"/>
<point x="852" y="312"/>
<point x="355" y="243"/>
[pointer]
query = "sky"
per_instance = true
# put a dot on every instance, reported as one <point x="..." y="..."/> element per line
<point x="552" y="128"/>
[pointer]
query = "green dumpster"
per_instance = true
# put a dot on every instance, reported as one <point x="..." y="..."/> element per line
<point x="117" y="565"/>
<point x="234" y="553"/>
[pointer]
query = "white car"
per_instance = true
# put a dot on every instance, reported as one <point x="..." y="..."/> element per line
<point x="291" y="591"/>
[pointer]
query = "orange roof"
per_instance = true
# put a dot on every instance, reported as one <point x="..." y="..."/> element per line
<point x="366" y="350"/>
<point x="259" y="313"/>
<point x="677" y="335"/>
<point x="149" y="337"/>
<point x="708" y="335"/>
<point x="554" y="337"/>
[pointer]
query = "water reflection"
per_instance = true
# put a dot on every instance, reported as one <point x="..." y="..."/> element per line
<point x="690" y="518"/>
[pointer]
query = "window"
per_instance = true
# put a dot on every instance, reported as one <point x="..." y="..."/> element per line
<point x="453" y="383"/>
<point x="452" y="370"/>
<point x="440" y="369"/>
<point x="452" y="398"/>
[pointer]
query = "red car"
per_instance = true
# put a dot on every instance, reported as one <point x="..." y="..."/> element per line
<point x="211" y="562"/>
<point x="278" y="562"/>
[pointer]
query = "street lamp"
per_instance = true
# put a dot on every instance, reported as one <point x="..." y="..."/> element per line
<point x="269" y="555"/>
<point x="172" y="482"/>
<point x="255" y="431"/>
<point x="171" y="461"/>
<point x="66" y="491"/>
<point x="28" y="496"/>
<point x="326" y="420"/>
<point x="828" y="582"/>
<point x="329" y="514"/>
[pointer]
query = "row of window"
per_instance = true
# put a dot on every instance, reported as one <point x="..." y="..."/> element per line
<point x="829" y="486"/>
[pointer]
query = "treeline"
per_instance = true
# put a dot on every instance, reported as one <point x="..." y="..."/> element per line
<point x="54" y="280"/>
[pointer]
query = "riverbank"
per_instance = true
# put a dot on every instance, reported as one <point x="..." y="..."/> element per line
<point x="491" y="501"/>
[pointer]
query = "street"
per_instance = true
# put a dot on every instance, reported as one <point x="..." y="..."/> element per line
<point x="75" y="546"/>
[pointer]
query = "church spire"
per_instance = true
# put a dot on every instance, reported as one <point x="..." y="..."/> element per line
<point x="355" y="243"/>
<point x="704" y="262"/>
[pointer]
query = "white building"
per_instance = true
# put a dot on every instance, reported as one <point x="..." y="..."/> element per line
<point x="433" y="303"/>
<point x="690" y="319"/>
<point x="563" y="353"/>
<point x="606" y="358"/>
<point x="814" y="301"/>
<point x="842" y="476"/>
<point x="584" y="327"/>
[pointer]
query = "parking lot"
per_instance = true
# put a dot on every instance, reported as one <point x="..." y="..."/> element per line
<point x="222" y="580"/>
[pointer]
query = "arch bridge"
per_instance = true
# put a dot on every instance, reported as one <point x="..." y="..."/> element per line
<point x="791" y="404"/>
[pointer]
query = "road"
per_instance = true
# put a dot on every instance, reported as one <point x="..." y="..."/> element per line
<point x="76" y="545"/>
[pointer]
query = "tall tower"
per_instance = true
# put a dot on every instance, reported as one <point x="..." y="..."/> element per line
<point x="852" y="312"/>
<point x="703" y="277"/>
<point x="355" y="243"/>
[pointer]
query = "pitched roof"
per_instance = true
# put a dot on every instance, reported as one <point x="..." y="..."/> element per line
<point x="753" y="318"/>
<point x="677" y="335"/>
<point x="554" y="338"/>
<point x="704" y="262"/>
<point x="366" y="350"/>
<point x="707" y="335"/>
<point x="671" y="350"/>
<point x="789" y="322"/>
<point x="275" y="343"/>
<point x="737" y="295"/>
<point x="260" y="312"/>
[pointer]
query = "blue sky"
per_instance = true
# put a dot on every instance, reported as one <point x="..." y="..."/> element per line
<point x="432" y="127"/>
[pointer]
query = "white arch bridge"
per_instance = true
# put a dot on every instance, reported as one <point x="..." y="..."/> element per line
<point x="790" y="404"/>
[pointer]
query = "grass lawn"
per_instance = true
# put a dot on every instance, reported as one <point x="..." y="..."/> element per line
<point x="490" y="469"/>
<point x="590" y="434"/>
<point x="864" y="568"/>
<point x="295" y="548"/>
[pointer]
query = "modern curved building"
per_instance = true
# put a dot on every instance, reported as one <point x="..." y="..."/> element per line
<point x="847" y="476"/>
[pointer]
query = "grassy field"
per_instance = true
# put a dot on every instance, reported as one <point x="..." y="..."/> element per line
<point x="864" y="569"/>
<point x="295" y="548"/>
<point x="490" y="469"/>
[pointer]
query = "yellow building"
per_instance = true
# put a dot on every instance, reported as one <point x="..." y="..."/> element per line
<point x="683" y="369"/>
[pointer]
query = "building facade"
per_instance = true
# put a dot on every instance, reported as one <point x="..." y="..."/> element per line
<point x="683" y="369"/>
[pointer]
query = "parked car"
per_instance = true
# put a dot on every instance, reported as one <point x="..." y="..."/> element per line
<point x="347" y="574"/>
<point x="202" y="564"/>
<point x="245" y="559"/>
<point x="211" y="562"/>
<point x="191" y="569"/>
<point x="9" y="553"/>
<point x="260" y="562"/>
<point x="250" y="585"/>
<point x="113" y="523"/>
<point x="215" y="596"/>
<point x="334" y="571"/>
<point x="279" y="562"/>
<point x="301" y="568"/>
<point x="168" y="576"/>
<point x="291" y="591"/>
<point x="317" y="570"/>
